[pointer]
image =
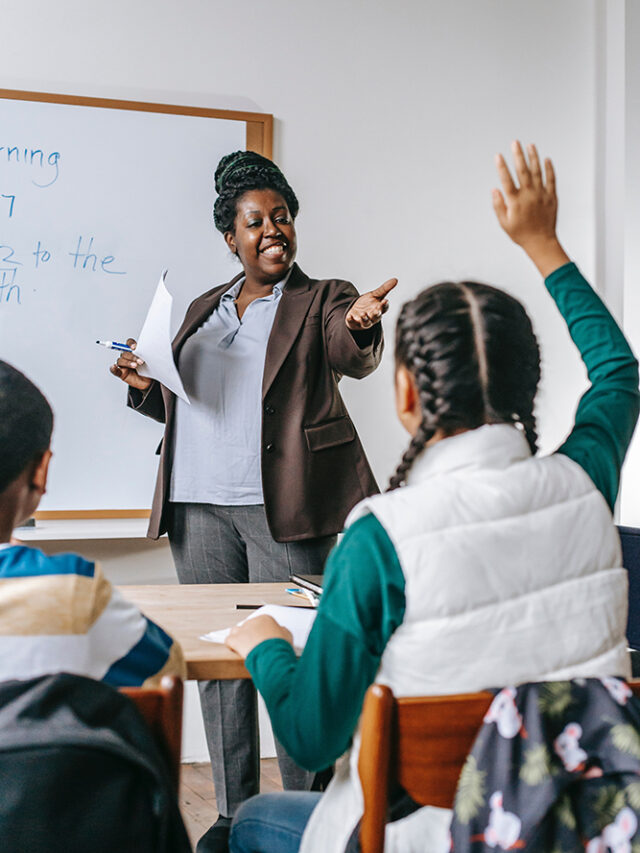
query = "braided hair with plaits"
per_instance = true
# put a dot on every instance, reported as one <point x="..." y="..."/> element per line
<point x="241" y="172"/>
<point x="475" y="360"/>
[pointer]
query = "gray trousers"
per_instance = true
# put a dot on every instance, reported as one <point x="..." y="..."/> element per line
<point x="233" y="544"/>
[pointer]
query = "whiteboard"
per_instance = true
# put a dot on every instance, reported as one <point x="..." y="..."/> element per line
<point x="94" y="202"/>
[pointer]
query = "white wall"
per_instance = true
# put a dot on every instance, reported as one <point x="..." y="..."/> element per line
<point x="387" y="118"/>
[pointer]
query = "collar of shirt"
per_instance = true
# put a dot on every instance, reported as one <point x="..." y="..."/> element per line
<point x="234" y="291"/>
<point x="487" y="446"/>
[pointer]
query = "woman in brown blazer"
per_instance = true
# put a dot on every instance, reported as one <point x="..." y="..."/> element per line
<point x="258" y="473"/>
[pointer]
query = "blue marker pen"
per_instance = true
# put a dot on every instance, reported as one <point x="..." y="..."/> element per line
<point x="115" y="345"/>
<point x="304" y="593"/>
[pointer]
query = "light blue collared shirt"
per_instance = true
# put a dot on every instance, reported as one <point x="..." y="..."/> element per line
<point x="217" y="438"/>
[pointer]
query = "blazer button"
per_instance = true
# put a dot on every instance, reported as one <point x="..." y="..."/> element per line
<point x="270" y="410"/>
<point x="269" y="448"/>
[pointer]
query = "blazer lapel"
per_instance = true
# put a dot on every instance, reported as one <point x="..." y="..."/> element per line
<point x="296" y="298"/>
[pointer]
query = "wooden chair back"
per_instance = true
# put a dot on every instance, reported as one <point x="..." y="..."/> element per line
<point x="161" y="708"/>
<point x="419" y="742"/>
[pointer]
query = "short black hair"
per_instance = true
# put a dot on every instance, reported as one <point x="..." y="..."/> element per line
<point x="241" y="172"/>
<point x="26" y="423"/>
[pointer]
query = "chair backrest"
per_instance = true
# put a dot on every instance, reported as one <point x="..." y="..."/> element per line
<point x="161" y="708"/>
<point x="420" y="743"/>
<point x="630" y="541"/>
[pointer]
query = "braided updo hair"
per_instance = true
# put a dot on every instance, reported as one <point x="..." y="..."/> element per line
<point x="475" y="359"/>
<point x="240" y="172"/>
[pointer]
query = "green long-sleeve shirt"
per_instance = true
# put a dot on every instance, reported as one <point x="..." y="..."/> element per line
<point x="314" y="702"/>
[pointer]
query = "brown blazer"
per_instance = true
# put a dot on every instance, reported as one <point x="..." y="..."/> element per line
<point x="314" y="469"/>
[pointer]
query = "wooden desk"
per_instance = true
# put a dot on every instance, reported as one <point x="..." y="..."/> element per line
<point x="190" y="610"/>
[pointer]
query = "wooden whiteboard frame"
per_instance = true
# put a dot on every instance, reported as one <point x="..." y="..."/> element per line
<point x="259" y="138"/>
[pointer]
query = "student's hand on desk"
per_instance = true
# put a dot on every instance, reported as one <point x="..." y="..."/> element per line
<point x="250" y="633"/>
<point x="368" y="309"/>
<point x="528" y="212"/>
<point x="126" y="368"/>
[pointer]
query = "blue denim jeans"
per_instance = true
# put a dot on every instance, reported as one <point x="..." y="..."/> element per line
<point x="272" y="823"/>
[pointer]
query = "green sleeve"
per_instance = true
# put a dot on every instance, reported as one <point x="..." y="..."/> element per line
<point x="315" y="701"/>
<point x="607" y="412"/>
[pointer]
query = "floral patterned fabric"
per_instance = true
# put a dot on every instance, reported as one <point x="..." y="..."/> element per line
<point x="555" y="767"/>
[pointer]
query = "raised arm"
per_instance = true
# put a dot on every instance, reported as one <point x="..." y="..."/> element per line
<point x="608" y="411"/>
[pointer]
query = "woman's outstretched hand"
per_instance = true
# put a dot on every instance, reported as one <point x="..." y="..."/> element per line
<point x="527" y="210"/>
<point x="126" y="368"/>
<point x="368" y="309"/>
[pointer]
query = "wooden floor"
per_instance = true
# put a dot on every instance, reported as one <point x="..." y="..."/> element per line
<point x="198" y="799"/>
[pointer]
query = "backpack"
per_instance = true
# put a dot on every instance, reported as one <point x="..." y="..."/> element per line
<point x="80" y="772"/>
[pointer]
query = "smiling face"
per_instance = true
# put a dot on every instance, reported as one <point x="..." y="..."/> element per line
<point x="264" y="236"/>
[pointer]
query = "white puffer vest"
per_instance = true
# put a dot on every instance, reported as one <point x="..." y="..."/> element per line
<point x="513" y="573"/>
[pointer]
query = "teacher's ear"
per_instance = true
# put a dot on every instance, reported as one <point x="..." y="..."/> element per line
<point x="230" y="240"/>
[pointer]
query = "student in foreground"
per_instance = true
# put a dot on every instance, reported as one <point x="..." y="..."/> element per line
<point x="60" y="614"/>
<point x="484" y="564"/>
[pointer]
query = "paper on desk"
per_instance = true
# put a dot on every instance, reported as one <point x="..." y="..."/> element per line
<point x="154" y="342"/>
<point x="297" y="619"/>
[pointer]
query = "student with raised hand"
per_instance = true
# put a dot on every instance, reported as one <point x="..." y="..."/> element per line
<point x="484" y="564"/>
<point x="60" y="614"/>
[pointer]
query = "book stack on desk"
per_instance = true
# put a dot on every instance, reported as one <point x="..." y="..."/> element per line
<point x="310" y="582"/>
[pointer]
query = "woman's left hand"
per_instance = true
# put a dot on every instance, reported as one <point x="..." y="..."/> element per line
<point x="368" y="309"/>
<point x="253" y="631"/>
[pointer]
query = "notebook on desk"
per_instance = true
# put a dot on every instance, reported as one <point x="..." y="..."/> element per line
<point x="312" y="582"/>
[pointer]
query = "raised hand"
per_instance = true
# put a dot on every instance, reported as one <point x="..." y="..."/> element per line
<point x="368" y="309"/>
<point x="126" y="368"/>
<point x="527" y="210"/>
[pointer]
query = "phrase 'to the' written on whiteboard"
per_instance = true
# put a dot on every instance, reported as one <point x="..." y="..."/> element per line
<point x="95" y="201"/>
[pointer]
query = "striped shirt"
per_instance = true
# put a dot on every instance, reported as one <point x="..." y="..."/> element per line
<point x="60" y="614"/>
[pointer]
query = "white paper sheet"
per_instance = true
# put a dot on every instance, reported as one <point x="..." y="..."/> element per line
<point x="154" y="342"/>
<point x="298" y="620"/>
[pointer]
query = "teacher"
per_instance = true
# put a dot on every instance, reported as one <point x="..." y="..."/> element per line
<point x="258" y="473"/>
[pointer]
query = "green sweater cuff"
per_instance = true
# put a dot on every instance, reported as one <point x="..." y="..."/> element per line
<point x="565" y="271"/>
<point x="262" y="656"/>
